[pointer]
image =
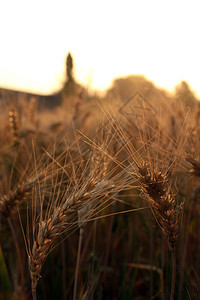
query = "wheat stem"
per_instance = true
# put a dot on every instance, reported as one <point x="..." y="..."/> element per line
<point x="34" y="294"/>
<point x="173" y="275"/>
<point x="78" y="262"/>
<point x="19" y="256"/>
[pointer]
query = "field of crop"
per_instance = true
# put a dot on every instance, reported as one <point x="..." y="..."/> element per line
<point x="100" y="197"/>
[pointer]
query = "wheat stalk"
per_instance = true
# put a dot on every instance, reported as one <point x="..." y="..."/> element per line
<point x="89" y="187"/>
<point x="157" y="190"/>
<point x="56" y="224"/>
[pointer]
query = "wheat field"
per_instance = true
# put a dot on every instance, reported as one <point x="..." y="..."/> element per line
<point x="100" y="196"/>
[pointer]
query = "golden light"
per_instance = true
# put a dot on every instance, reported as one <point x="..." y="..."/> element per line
<point x="108" y="39"/>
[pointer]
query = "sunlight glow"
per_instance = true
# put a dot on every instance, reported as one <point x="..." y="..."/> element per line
<point x="107" y="39"/>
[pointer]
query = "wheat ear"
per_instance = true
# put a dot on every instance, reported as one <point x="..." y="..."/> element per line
<point x="14" y="126"/>
<point x="167" y="213"/>
<point x="154" y="185"/>
<point x="8" y="203"/>
<point x="56" y="223"/>
<point x="195" y="166"/>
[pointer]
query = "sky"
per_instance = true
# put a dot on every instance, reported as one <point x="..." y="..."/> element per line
<point x="107" y="39"/>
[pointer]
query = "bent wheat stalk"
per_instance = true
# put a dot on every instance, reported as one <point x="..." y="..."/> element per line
<point x="56" y="223"/>
<point x="84" y="185"/>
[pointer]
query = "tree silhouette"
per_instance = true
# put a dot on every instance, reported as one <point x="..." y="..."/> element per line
<point x="69" y="67"/>
<point x="69" y="86"/>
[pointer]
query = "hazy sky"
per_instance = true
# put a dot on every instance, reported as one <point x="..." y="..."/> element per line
<point x="107" y="39"/>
